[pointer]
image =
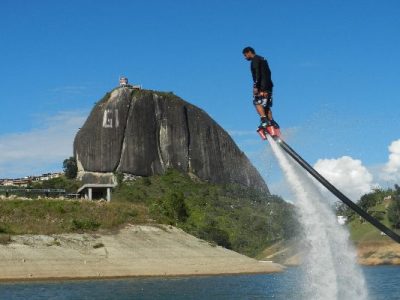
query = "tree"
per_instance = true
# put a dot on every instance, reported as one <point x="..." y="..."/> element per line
<point x="176" y="207"/>
<point x="70" y="167"/>
<point x="397" y="188"/>
<point x="394" y="212"/>
<point x="394" y="208"/>
<point x="368" y="201"/>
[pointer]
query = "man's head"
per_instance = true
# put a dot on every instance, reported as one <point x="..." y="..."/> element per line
<point x="249" y="53"/>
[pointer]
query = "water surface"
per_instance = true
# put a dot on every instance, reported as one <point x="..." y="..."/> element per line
<point x="383" y="284"/>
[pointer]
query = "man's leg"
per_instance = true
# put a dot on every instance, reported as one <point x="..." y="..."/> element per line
<point x="268" y="111"/>
<point x="265" y="113"/>
<point x="261" y="107"/>
<point x="270" y="118"/>
<point x="261" y="110"/>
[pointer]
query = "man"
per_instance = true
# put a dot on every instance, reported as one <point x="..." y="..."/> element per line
<point x="262" y="87"/>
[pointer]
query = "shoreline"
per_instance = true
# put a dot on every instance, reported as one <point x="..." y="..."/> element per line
<point x="137" y="251"/>
<point x="369" y="253"/>
<point x="168" y="276"/>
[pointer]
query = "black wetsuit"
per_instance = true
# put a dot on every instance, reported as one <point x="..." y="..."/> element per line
<point x="261" y="74"/>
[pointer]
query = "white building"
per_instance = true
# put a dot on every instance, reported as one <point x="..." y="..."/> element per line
<point x="8" y="182"/>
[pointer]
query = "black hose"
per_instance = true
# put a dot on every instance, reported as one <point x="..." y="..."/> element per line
<point x="394" y="236"/>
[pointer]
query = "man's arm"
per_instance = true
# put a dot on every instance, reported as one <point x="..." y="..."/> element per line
<point x="256" y="72"/>
<point x="264" y="76"/>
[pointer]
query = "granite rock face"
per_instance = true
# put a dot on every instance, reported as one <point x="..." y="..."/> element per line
<point x="144" y="133"/>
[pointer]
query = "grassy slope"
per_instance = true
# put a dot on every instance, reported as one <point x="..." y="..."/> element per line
<point x="235" y="217"/>
<point x="238" y="218"/>
<point x="46" y="216"/>
<point x="362" y="231"/>
<point x="365" y="235"/>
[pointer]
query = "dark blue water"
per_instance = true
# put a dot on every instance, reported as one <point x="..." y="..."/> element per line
<point x="383" y="283"/>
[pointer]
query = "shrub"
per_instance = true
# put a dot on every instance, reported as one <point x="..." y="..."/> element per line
<point x="98" y="245"/>
<point x="171" y="208"/>
<point x="379" y="215"/>
<point x="5" y="239"/>
<point x="5" y="228"/>
<point x="84" y="224"/>
<point x="394" y="212"/>
<point x="146" y="181"/>
<point x="120" y="177"/>
<point x="176" y="207"/>
<point x="217" y="235"/>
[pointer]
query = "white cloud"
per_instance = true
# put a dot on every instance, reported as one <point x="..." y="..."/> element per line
<point x="347" y="174"/>
<point x="39" y="150"/>
<point x="391" y="170"/>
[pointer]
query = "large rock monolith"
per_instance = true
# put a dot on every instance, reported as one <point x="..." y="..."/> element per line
<point x="144" y="133"/>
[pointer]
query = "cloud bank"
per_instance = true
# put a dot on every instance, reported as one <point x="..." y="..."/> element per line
<point x="348" y="174"/>
<point x="391" y="170"/>
<point x="42" y="149"/>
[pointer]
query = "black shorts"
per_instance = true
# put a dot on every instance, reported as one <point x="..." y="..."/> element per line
<point x="266" y="102"/>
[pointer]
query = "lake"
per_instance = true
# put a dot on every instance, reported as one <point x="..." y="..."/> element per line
<point x="383" y="284"/>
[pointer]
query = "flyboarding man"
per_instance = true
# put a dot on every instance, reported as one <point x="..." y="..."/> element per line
<point x="262" y="88"/>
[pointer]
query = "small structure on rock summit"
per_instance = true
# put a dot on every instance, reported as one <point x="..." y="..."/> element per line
<point x="123" y="82"/>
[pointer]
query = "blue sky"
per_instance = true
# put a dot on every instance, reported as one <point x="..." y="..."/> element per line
<point x="335" y="66"/>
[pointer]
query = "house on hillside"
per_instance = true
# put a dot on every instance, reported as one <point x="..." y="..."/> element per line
<point x="22" y="182"/>
<point x="8" y="182"/>
<point x="48" y="176"/>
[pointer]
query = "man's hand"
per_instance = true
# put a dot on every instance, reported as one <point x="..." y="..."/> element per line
<point x="263" y="94"/>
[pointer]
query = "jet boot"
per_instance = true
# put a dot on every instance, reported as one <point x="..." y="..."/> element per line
<point x="268" y="127"/>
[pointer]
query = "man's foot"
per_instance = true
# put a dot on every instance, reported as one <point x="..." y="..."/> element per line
<point x="273" y="123"/>
<point x="264" y="122"/>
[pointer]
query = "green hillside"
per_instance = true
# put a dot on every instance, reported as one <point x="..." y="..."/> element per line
<point x="384" y="205"/>
<point x="235" y="217"/>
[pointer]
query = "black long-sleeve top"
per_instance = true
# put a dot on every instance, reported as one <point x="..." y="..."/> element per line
<point x="261" y="74"/>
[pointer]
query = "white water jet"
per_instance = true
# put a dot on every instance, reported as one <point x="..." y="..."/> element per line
<point x="331" y="271"/>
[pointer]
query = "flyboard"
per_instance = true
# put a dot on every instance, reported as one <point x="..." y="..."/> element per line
<point x="276" y="135"/>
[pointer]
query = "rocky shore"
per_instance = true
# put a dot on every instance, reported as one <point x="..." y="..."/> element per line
<point x="378" y="253"/>
<point x="369" y="253"/>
